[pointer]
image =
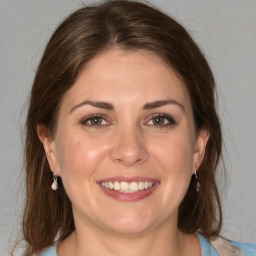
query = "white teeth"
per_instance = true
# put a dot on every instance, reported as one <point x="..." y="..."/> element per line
<point x="133" y="186"/>
<point x="127" y="187"/>
<point x="110" y="185"/>
<point x="117" y="185"/>
<point x="141" y="185"/>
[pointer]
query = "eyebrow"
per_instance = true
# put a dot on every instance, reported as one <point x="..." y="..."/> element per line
<point x="161" y="103"/>
<point x="96" y="104"/>
<point x="108" y="106"/>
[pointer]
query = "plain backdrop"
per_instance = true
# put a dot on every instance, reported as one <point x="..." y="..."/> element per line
<point x="225" y="31"/>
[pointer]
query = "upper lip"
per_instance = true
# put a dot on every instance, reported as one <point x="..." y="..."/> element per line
<point x="128" y="179"/>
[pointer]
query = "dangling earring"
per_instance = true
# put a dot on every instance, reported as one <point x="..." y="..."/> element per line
<point x="55" y="182"/>
<point x="197" y="183"/>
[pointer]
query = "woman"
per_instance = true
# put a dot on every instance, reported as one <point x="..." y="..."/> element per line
<point x="122" y="122"/>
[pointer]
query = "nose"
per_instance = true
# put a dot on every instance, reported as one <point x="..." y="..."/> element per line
<point x="129" y="147"/>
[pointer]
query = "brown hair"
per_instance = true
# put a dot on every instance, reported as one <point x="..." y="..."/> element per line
<point x="84" y="34"/>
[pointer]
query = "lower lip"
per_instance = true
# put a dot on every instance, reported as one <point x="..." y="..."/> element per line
<point x="136" y="196"/>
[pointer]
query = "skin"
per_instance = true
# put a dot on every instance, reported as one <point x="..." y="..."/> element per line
<point x="129" y="142"/>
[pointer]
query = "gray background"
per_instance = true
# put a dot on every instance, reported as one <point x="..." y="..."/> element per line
<point x="225" y="30"/>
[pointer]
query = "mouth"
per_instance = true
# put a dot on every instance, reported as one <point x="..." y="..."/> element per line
<point x="128" y="188"/>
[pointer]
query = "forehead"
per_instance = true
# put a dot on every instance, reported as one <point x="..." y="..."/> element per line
<point x="128" y="75"/>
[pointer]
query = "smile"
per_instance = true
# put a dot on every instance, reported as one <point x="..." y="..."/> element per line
<point x="127" y="187"/>
<point x="123" y="188"/>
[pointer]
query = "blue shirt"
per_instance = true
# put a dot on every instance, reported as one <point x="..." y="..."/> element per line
<point x="206" y="248"/>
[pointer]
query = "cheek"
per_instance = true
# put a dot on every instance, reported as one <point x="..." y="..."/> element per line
<point x="176" y="152"/>
<point x="79" y="155"/>
<point x="79" y="159"/>
<point x="175" y="160"/>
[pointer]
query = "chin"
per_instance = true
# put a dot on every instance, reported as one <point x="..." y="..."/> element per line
<point x="129" y="225"/>
<point x="127" y="229"/>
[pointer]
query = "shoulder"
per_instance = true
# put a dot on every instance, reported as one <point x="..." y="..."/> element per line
<point x="223" y="247"/>
<point x="227" y="247"/>
<point x="207" y="249"/>
<point x="50" y="251"/>
<point x="248" y="249"/>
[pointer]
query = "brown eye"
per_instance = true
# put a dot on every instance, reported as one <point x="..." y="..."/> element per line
<point x="95" y="120"/>
<point x="160" y="120"/>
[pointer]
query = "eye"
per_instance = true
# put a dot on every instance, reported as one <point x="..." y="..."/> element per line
<point x="161" y="120"/>
<point x="95" y="120"/>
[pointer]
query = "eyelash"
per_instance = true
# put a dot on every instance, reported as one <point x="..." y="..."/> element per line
<point x="94" y="116"/>
<point x="170" y="120"/>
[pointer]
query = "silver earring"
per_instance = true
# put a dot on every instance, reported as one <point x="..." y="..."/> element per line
<point x="197" y="182"/>
<point x="54" y="185"/>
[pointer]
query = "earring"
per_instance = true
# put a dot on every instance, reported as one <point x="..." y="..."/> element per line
<point x="197" y="182"/>
<point x="54" y="185"/>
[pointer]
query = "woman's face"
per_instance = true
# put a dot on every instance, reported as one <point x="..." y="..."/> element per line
<point x="125" y="144"/>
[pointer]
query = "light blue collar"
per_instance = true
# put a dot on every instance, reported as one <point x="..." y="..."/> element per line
<point x="206" y="248"/>
<point x="50" y="251"/>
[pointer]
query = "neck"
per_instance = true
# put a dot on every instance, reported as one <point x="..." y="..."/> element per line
<point x="164" y="241"/>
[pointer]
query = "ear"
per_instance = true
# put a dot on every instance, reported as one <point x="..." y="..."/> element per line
<point x="200" y="146"/>
<point x="49" y="148"/>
